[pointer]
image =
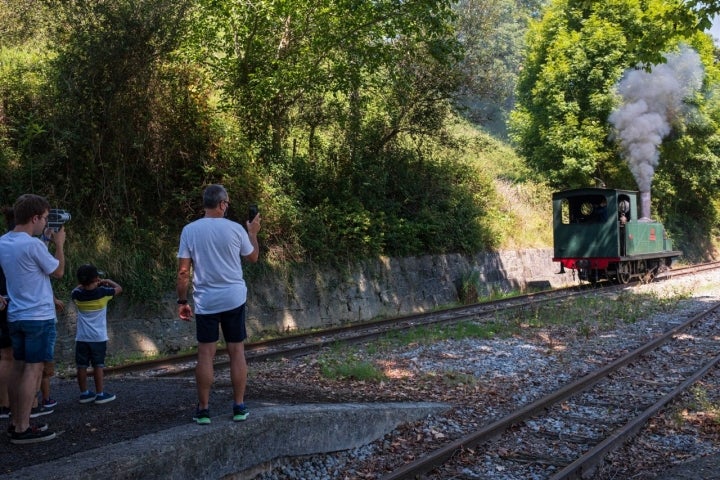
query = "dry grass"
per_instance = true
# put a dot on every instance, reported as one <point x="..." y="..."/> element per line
<point x="528" y="211"/>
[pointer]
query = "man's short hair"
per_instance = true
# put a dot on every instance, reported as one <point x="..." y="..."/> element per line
<point x="213" y="195"/>
<point x="27" y="206"/>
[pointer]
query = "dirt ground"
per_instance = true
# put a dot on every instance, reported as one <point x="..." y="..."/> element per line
<point x="143" y="406"/>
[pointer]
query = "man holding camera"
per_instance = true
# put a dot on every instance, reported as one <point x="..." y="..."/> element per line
<point x="28" y="266"/>
<point x="212" y="247"/>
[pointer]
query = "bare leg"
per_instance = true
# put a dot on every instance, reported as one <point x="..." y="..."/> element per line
<point x="82" y="379"/>
<point x="238" y="370"/>
<point x="38" y="385"/>
<point x="98" y="375"/>
<point x="6" y="365"/>
<point x="204" y="373"/>
<point x="27" y="377"/>
<point x="45" y="388"/>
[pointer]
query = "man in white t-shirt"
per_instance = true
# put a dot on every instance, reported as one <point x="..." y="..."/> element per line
<point x="28" y="266"/>
<point x="211" y="248"/>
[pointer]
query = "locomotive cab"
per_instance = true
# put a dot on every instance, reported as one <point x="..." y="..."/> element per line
<point x="596" y="231"/>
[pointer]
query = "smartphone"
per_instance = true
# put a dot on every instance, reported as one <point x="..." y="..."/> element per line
<point x="252" y="212"/>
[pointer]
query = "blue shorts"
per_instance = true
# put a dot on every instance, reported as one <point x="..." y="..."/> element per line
<point x="231" y="321"/>
<point x="33" y="341"/>
<point x="87" y="353"/>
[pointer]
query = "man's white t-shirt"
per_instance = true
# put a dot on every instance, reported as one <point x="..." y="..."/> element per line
<point x="27" y="265"/>
<point x="215" y="246"/>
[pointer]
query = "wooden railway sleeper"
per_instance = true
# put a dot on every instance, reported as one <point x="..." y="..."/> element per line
<point x="519" y="457"/>
<point x="568" y="437"/>
<point x="585" y="466"/>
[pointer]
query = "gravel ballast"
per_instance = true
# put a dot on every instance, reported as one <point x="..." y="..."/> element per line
<point x="485" y="379"/>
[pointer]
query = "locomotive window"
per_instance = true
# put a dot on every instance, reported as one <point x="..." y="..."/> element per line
<point x="586" y="208"/>
<point x="623" y="208"/>
<point x="565" y="211"/>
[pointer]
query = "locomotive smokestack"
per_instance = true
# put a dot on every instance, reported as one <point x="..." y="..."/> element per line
<point x="644" y="207"/>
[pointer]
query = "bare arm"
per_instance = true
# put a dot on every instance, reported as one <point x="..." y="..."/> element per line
<point x="112" y="284"/>
<point x="58" y="239"/>
<point x="183" y="283"/>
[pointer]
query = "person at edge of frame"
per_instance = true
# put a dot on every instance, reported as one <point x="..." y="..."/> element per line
<point x="6" y="360"/>
<point x="28" y="266"/>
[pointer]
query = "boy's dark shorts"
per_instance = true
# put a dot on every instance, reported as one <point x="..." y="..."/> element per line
<point x="231" y="321"/>
<point x="90" y="353"/>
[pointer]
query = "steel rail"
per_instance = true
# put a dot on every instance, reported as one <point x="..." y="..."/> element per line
<point x="305" y="343"/>
<point x="588" y="462"/>
<point x="302" y="344"/>
<point x="442" y="455"/>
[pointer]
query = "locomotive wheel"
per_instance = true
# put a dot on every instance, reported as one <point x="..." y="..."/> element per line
<point x="653" y="269"/>
<point x="623" y="273"/>
<point x="642" y="270"/>
<point x="650" y="275"/>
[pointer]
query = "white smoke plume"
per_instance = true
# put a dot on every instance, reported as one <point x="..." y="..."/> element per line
<point x="652" y="103"/>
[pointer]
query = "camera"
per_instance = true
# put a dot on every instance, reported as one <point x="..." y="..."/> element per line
<point x="57" y="218"/>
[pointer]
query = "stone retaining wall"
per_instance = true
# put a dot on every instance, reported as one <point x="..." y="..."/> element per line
<point x="306" y="297"/>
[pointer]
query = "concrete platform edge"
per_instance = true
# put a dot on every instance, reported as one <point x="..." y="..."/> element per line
<point x="225" y="448"/>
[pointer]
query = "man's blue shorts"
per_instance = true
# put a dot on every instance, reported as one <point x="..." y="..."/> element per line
<point x="33" y="341"/>
<point x="231" y="321"/>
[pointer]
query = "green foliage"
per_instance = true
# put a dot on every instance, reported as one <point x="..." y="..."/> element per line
<point x="349" y="368"/>
<point x="129" y="125"/>
<point x="469" y="291"/>
<point x="576" y="55"/>
<point x="605" y="312"/>
<point x="381" y="210"/>
<point x="491" y="33"/>
<point x="565" y="92"/>
<point x="23" y="88"/>
<point x="283" y="63"/>
<point x="135" y="105"/>
<point x="340" y="126"/>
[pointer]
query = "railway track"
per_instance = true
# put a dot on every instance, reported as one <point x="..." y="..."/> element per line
<point x="447" y="428"/>
<point x="604" y="409"/>
<point x="305" y="343"/>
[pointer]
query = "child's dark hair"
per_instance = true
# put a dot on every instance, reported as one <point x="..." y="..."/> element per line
<point x="86" y="274"/>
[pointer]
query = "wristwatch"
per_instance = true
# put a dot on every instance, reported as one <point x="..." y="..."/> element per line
<point x="181" y="302"/>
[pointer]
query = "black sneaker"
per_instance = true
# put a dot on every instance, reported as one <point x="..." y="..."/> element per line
<point x="88" y="397"/>
<point x="40" y="426"/>
<point x="32" y="435"/>
<point x="104" y="397"/>
<point x="40" y="411"/>
<point x="4" y="412"/>
<point x="240" y="413"/>
<point x="202" y="417"/>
